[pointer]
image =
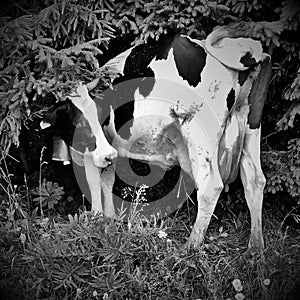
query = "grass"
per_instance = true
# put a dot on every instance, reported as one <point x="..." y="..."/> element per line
<point x="90" y="257"/>
<point x="87" y="256"/>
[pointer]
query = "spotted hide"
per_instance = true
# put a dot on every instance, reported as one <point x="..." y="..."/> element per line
<point x="192" y="103"/>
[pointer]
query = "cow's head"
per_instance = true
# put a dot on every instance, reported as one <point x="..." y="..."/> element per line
<point x="77" y="122"/>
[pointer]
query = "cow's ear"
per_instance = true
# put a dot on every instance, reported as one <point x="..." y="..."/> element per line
<point x="190" y="59"/>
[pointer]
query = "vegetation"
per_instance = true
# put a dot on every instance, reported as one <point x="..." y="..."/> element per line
<point x="90" y="257"/>
<point x="46" y="47"/>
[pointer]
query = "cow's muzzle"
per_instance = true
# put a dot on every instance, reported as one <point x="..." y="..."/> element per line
<point x="103" y="159"/>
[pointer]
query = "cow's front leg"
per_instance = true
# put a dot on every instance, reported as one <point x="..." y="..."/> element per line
<point x="254" y="182"/>
<point x="210" y="185"/>
<point x="108" y="179"/>
<point x="92" y="174"/>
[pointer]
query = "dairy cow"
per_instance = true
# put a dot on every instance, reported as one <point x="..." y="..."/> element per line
<point x="187" y="102"/>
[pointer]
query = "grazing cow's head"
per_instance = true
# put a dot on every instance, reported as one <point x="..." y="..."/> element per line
<point x="77" y="122"/>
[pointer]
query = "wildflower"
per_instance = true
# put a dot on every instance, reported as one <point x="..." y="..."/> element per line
<point x="70" y="199"/>
<point x="127" y="191"/>
<point x="237" y="285"/>
<point x="105" y="296"/>
<point x="22" y="238"/>
<point x="169" y="209"/>
<point x="162" y="234"/>
<point x="224" y="234"/>
<point x="78" y="291"/>
<point x="239" y="296"/>
<point x="267" y="282"/>
<point x="169" y="245"/>
<point x="95" y="293"/>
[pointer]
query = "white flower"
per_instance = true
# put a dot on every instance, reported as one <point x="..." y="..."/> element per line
<point x="239" y="296"/>
<point x="162" y="234"/>
<point x="23" y="238"/>
<point x="237" y="285"/>
<point x="105" y="296"/>
<point x="95" y="293"/>
<point x="224" y="234"/>
<point x="267" y="281"/>
<point x="78" y="291"/>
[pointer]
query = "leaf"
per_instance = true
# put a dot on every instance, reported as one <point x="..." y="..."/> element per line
<point x="63" y="6"/>
<point x="90" y="19"/>
<point x="16" y="96"/>
<point x="10" y="123"/>
<point x="49" y="194"/>
<point x="75" y="23"/>
<point x="71" y="219"/>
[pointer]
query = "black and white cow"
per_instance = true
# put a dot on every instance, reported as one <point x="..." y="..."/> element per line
<point x="182" y="101"/>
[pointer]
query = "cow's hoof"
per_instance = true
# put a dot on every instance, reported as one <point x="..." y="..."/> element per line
<point x="111" y="214"/>
<point x="253" y="253"/>
<point x="194" y="241"/>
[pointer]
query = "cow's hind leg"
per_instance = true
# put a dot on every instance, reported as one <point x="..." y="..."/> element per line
<point x="210" y="186"/>
<point x="253" y="181"/>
